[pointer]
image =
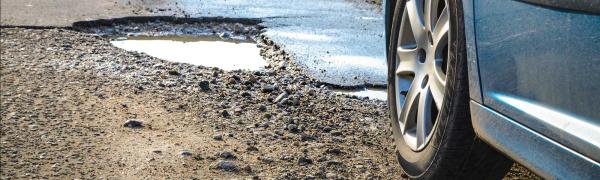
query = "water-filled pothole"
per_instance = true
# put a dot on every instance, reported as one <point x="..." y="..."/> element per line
<point x="209" y="51"/>
<point x="372" y="93"/>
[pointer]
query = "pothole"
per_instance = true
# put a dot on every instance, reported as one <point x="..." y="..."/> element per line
<point x="371" y="93"/>
<point x="228" y="44"/>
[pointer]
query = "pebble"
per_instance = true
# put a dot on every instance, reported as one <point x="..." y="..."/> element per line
<point x="268" y="88"/>
<point x="227" y="166"/>
<point x="280" y="97"/>
<point x="266" y="160"/>
<point x="174" y="73"/>
<point x="262" y="108"/>
<point x="227" y="155"/>
<point x="218" y="137"/>
<point x="204" y="85"/>
<point x="267" y="115"/>
<point x="327" y="129"/>
<point x="292" y="128"/>
<point x="133" y="123"/>
<point x="159" y="66"/>
<point x="224" y="113"/>
<point x="335" y="151"/>
<point x="185" y="153"/>
<point x="302" y="161"/>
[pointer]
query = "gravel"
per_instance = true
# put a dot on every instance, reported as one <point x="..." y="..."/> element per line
<point x="65" y="95"/>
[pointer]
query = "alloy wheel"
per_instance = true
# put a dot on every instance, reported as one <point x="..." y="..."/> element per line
<point x="420" y="76"/>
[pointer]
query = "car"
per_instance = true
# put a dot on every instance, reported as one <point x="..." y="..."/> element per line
<point x="475" y="85"/>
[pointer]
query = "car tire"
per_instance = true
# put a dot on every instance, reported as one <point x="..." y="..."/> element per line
<point x="453" y="150"/>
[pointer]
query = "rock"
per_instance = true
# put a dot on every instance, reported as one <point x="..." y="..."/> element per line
<point x="156" y="151"/>
<point x="248" y="83"/>
<point x="133" y="123"/>
<point x="159" y="66"/>
<point x="306" y="137"/>
<point x="280" y="133"/>
<point x="227" y="155"/>
<point x="247" y="169"/>
<point x="280" y="97"/>
<point x="185" y="153"/>
<point x="266" y="160"/>
<point x="283" y="102"/>
<point x="198" y="157"/>
<point x="232" y="81"/>
<point x="335" y="151"/>
<point x="224" y="113"/>
<point x="292" y="128"/>
<point x="302" y="161"/>
<point x="174" y="73"/>
<point x="218" y="137"/>
<point x="237" y="111"/>
<point x="262" y="108"/>
<point x="267" y="115"/>
<point x="311" y="92"/>
<point x="204" y="85"/>
<point x="246" y="94"/>
<point x="327" y="129"/>
<point x="268" y="88"/>
<point x="236" y="77"/>
<point x="265" y="124"/>
<point x="227" y="166"/>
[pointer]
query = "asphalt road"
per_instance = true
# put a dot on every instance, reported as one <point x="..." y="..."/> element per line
<point x="337" y="41"/>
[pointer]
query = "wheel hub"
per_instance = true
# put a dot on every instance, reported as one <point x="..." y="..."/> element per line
<point x="421" y="69"/>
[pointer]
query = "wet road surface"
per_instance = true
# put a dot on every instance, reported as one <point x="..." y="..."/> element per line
<point x="337" y="41"/>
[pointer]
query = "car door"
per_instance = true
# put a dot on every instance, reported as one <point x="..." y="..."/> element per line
<point x="540" y="66"/>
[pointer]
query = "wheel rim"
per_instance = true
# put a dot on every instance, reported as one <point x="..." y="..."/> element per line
<point x="420" y="76"/>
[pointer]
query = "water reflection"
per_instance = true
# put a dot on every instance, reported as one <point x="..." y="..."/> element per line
<point x="372" y="93"/>
<point x="210" y="51"/>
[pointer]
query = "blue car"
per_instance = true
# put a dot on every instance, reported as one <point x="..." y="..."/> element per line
<point x="474" y="85"/>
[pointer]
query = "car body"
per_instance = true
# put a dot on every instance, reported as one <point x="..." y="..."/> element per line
<point x="534" y="81"/>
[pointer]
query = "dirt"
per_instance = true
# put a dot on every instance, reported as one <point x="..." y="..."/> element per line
<point x="73" y="106"/>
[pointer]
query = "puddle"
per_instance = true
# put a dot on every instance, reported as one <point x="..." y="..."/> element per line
<point x="209" y="51"/>
<point x="372" y="93"/>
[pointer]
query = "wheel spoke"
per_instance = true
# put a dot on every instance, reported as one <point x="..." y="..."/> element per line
<point x="413" y="9"/>
<point x="407" y="61"/>
<point x="440" y="30"/>
<point x="410" y="100"/>
<point x="430" y="13"/>
<point x="423" y="117"/>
